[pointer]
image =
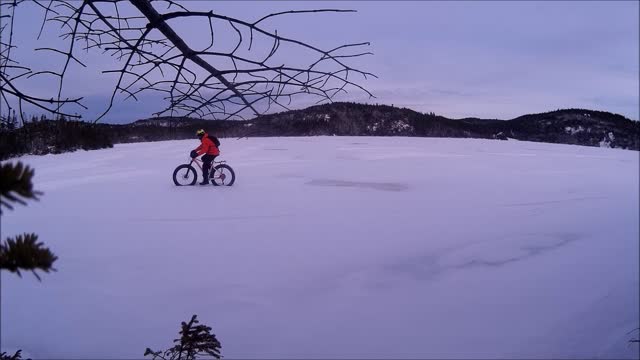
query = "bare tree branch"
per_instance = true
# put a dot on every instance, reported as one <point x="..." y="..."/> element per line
<point x="207" y="82"/>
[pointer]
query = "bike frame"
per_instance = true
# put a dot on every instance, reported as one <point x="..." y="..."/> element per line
<point x="199" y="163"/>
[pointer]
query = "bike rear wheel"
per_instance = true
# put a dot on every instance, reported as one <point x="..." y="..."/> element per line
<point x="223" y="175"/>
<point x="185" y="175"/>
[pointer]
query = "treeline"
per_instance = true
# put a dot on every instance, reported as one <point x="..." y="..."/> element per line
<point x="52" y="137"/>
<point x="569" y="126"/>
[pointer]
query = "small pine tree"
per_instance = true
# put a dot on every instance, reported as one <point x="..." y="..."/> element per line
<point x="195" y="340"/>
<point x="12" y="121"/>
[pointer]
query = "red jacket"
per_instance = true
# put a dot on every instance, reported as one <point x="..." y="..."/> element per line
<point x="207" y="147"/>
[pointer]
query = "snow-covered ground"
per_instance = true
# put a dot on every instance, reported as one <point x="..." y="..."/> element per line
<point x="335" y="247"/>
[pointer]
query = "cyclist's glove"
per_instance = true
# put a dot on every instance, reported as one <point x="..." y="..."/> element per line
<point x="194" y="154"/>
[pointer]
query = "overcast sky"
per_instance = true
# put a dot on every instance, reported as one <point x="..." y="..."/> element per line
<point x="458" y="59"/>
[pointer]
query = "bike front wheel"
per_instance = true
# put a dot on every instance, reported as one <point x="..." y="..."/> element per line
<point x="223" y="175"/>
<point x="185" y="175"/>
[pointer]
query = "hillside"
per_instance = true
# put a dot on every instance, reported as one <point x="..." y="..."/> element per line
<point x="570" y="126"/>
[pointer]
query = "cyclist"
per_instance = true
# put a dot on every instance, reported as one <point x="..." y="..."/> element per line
<point x="210" y="151"/>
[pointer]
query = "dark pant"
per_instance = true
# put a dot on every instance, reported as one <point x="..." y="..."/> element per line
<point x="206" y="165"/>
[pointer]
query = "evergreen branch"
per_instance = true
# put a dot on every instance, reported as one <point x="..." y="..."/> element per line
<point x="24" y="253"/>
<point x="16" y="185"/>
<point x="16" y="356"/>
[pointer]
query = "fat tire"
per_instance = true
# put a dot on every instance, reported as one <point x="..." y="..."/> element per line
<point x="190" y="169"/>
<point x="229" y="173"/>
